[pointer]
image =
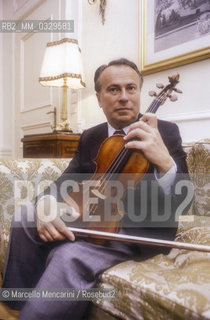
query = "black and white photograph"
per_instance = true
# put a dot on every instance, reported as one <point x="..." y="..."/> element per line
<point x="179" y="21"/>
<point x="173" y="33"/>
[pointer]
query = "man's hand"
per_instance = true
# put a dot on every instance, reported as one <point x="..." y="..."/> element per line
<point x="50" y="226"/>
<point x="150" y="143"/>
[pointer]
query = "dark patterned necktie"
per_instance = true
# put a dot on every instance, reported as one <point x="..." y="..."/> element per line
<point x="119" y="132"/>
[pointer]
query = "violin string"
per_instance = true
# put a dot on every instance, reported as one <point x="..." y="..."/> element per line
<point x="122" y="153"/>
<point x="116" y="163"/>
<point x="113" y="167"/>
<point x="118" y="160"/>
<point x="106" y="177"/>
<point x="153" y="107"/>
<point x="156" y="103"/>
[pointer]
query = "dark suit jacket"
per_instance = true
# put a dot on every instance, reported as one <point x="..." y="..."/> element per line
<point x="83" y="163"/>
<point x="92" y="138"/>
<point x="84" y="261"/>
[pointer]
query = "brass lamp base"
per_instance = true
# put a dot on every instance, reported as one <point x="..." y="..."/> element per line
<point x="63" y="127"/>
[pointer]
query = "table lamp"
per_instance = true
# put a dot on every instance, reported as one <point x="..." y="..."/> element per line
<point x="62" y="67"/>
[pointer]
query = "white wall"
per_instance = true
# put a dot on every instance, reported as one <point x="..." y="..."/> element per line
<point x="192" y="110"/>
<point x="118" y="37"/>
<point x="6" y="88"/>
<point x="1" y="84"/>
<point x="26" y="103"/>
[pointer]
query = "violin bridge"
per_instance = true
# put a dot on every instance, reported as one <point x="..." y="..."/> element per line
<point x="98" y="194"/>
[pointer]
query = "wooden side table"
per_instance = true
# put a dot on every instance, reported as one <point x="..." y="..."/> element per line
<point x="50" y="145"/>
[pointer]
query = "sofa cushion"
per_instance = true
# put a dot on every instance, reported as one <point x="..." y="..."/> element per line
<point x="19" y="182"/>
<point x="201" y="178"/>
<point x="173" y="286"/>
<point x="198" y="162"/>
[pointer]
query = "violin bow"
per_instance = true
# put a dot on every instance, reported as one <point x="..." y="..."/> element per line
<point x="93" y="234"/>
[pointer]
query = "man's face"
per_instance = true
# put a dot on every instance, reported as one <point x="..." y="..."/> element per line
<point x="119" y="96"/>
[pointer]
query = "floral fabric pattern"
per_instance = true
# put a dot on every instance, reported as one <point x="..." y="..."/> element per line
<point x="173" y="286"/>
<point x="176" y="286"/>
<point x="198" y="160"/>
<point x="19" y="183"/>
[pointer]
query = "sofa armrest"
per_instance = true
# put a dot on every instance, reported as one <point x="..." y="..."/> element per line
<point x="173" y="286"/>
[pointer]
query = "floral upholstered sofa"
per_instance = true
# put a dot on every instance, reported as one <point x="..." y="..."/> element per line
<point x="174" y="286"/>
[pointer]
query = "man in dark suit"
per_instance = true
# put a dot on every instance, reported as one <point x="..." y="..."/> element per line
<point x="45" y="254"/>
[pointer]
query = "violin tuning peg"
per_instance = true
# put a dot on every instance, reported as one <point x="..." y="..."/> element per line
<point x="159" y="85"/>
<point x="152" y="93"/>
<point x="178" y="90"/>
<point x="173" y="97"/>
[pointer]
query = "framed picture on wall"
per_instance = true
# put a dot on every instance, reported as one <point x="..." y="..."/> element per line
<point x="173" y="33"/>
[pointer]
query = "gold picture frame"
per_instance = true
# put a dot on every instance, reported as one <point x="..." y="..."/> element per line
<point x="154" y="53"/>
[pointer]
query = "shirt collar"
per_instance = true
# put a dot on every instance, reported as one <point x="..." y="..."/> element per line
<point x="111" y="130"/>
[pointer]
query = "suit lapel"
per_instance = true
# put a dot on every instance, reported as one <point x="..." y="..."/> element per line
<point x="102" y="133"/>
<point x="96" y="140"/>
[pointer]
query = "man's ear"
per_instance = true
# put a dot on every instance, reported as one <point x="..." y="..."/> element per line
<point x="99" y="99"/>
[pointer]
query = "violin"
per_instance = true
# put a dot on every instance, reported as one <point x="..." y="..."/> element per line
<point x="114" y="162"/>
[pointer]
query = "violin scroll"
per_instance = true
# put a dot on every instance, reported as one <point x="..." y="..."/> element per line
<point x="166" y="91"/>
